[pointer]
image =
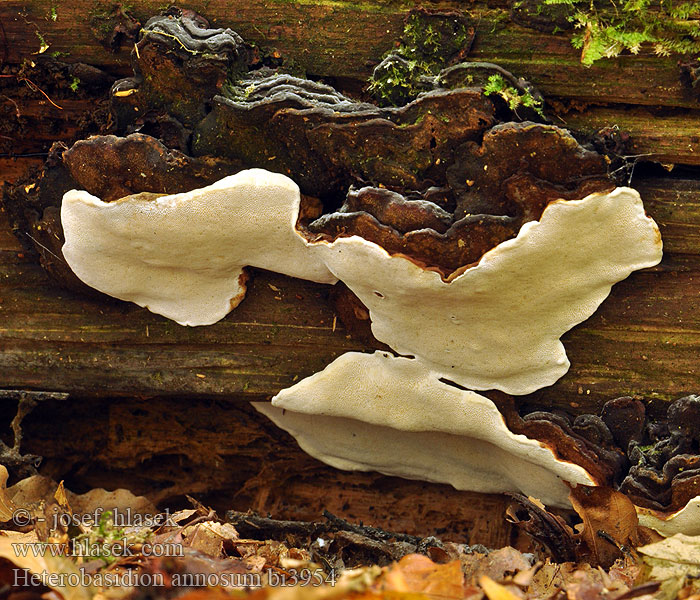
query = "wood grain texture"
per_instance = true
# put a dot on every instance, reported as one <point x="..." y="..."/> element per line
<point x="344" y="38"/>
<point x="644" y="340"/>
<point x="230" y="456"/>
<point x="669" y="137"/>
<point x="163" y="409"/>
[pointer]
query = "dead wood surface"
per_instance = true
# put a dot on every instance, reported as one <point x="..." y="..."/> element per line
<point x="163" y="409"/>
<point x="345" y="39"/>
<point x="644" y="340"/>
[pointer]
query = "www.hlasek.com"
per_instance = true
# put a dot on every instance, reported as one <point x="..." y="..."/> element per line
<point x="86" y="549"/>
<point x="288" y="577"/>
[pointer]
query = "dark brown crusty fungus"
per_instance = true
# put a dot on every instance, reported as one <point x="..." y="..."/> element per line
<point x="392" y="209"/>
<point x="625" y="418"/>
<point x="326" y="141"/>
<point x="587" y="442"/>
<point x="495" y="188"/>
<point x="112" y="167"/>
<point x="179" y="64"/>
<point x="523" y="160"/>
<point x="665" y="472"/>
<point x="404" y="229"/>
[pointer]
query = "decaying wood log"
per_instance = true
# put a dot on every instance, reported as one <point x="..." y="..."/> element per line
<point x="196" y="433"/>
<point x="230" y="456"/>
<point x="346" y="39"/>
<point x="644" y="340"/>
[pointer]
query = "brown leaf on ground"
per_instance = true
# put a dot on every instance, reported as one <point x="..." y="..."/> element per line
<point x="128" y="508"/>
<point x="496" y="591"/>
<point x="418" y="574"/>
<point x="609" y="522"/>
<point x="209" y="537"/>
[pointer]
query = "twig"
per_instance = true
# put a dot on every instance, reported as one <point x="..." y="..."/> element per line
<point x="38" y="243"/>
<point x="250" y="525"/>
<point x="23" y="465"/>
<point x="17" y="113"/>
<point x="34" y="87"/>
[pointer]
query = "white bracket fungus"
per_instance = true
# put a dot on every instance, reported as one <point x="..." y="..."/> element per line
<point x="686" y="520"/>
<point x="497" y="324"/>
<point x="182" y="256"/>
<point x="376" y="412"/>
<point x="492" y="325"/>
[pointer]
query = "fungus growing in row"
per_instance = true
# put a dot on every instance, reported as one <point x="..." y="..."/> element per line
<point x="183" y="255"/>
<point x="377" y="412"/>
<point x="497" y="324"/>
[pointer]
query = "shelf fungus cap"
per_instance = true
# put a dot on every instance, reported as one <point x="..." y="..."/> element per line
<point x="496" y="324"/>
<point x="182" y="256"/>
<point x="377" y="412"/>
<point x="686" y="520"/>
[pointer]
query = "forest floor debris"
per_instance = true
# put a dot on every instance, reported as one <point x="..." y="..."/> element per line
<point x="114" y="545"/>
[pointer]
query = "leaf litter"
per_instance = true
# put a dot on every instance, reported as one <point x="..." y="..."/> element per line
<point x="56" y="545"/>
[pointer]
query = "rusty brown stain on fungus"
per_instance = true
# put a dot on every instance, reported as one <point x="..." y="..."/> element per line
<point x="111" y="167"/>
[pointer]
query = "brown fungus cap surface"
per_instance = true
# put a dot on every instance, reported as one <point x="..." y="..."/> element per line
<point x="326" y="141"/>
<point x="495" y="188"/>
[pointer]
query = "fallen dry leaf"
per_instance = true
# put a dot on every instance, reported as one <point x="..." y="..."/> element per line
<point x="7" y="507"/>
<point x="416" y="573"/>
<point x="496" y="591"/>
<point x="56" y="572"/>
<point x="673" y="561"/>
<point x="609" y="522"/>
<point x="209" y="537"/>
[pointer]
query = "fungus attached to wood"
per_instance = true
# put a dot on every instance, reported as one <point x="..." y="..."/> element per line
<point x="497" y="324"/>
<point x="179" y="64"/>
<point x="183" y="255"/>
<point x="686" y="520"/>
<point x="327" y="141"/>
<point x="377" y="412"/>
<point x="664" y="476"/>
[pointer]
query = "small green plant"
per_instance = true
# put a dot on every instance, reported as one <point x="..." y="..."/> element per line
<point x="75" y="83"/>
<point x="497" y="85"/>
<point x="426" y="44"/>
<point x="605" y="29"/>
<point x="106" y="541"/>
<point x="43" y="44"/>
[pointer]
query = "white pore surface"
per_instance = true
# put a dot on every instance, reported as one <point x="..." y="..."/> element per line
<point x="182" y="255"/>
<point x="497" y="325"/>
<point x="376" y="412"/>
<point x="686" y="520"/>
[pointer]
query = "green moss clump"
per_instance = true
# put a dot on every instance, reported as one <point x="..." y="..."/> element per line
<point x="428" y="43"/>
<point x="605" y="29"/>
<point x="106" y="541"/>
